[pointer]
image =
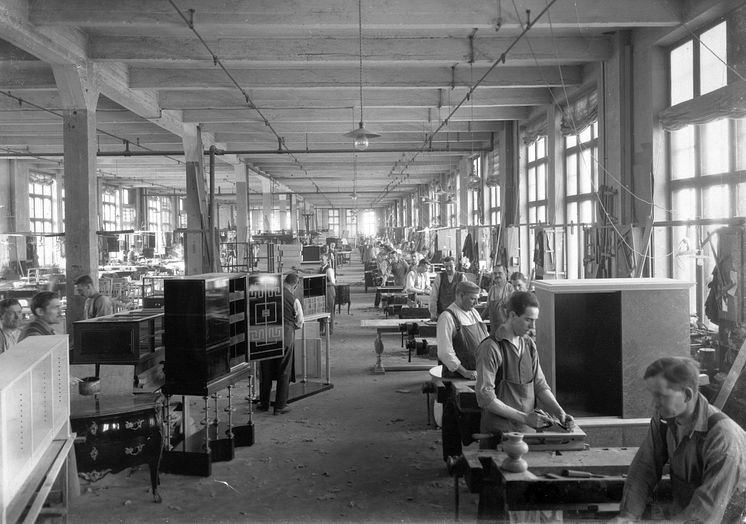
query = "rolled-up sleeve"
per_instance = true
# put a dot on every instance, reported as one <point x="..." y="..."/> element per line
<point x="724" y="473"/>
<point x="540" y="382"/>
<point x="644" y="472"/>
<point x="446" y="353"/>
<point x="488" y="362"/>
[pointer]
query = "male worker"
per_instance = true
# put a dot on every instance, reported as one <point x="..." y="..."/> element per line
<point x="399" y="268"/>
<point x="518" y="281"/>
<point x="497" y="299"/>
<point x="705" y="450"/>
<point x="10" y="322"/>
<point x="417" y="280"/>
<point x="509" y="378"/>
<point x="96" y="304"/>
<point x="444" y="288"/>
<point x="459" y="332"/>
<point x="45" y="306"/>
<point x="280" y="369"/>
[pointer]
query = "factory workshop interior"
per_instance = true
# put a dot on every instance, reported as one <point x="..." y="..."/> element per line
<point x="372" y="261"/>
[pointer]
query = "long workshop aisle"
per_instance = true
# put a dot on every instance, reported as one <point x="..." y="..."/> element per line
<point x="360" y="452"/>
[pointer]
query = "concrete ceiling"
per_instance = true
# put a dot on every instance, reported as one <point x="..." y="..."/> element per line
<point x="298" y="62"/>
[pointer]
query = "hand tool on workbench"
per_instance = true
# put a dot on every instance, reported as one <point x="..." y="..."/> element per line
<point x="572" y="473"/>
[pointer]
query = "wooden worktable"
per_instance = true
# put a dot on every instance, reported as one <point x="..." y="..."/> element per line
<point x="501" y="492"/>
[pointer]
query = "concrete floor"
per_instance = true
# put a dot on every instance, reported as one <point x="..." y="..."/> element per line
<point x="360" y="452"/>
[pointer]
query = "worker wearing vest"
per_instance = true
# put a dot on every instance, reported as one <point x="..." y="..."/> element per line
<point x="281" y="369"/>
<point x="443" y="292"/>
<point x="509" y="378"/>
<point x="460" y="330"/>
<point x="705" y="450"/>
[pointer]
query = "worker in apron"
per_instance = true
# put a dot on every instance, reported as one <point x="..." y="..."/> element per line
<point x="459" y="332"/>
<point x="509" y="377"/>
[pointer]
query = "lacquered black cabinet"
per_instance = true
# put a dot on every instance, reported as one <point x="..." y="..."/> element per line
<point x="206" y="337"/>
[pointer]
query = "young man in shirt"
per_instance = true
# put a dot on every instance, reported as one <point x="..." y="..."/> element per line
<point x="45" y="306"/>
<point x="417" y="281"/>
<point x="509" y="377"/>
<point x="96" y="304"/>
<point x="10" y="322"/>
<point x="705" y="450"/>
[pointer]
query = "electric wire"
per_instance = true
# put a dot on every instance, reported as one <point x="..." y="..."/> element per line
<point x="610" y="219"/>
<point x="470" y="91"/>
<point x="189" y="21"/>
<point x="22" y="101"/>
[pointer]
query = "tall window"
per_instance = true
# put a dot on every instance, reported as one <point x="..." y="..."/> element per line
<point x="492" y="183"/>
<point x="536" y="171"/>
<point x="154" y="213"/>
<point x="707" y="162"/>
<point x="182" y="212"/>
<point x="581" y="179"/>
<point x="351" y="219"/>
<point x="41" y="215"/>
<point x="474" y="184"/>
<point x="334" y="221"/>
<point x="109" y="208"/>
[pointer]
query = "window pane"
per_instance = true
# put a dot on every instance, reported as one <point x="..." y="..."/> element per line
<point x="541" y="214"/>
<point x="572" y="213"/>
<point x="532" y="184"/>
<point x="586" y="211"/>
<point x="682" y="73"/>
<point x="541" y="182"/>
<point x="532" y="152"/>
<point x="713" y="57"/>
<point x="715" y="147"/>
<point x="715" y="202"/>
<point x="741" y="144"/>
<point x="572" y="175"/>
<point x="531" y="215"/>
<point x="585" y="135"/>
<point x="741" y="200"/>
<point x="584" y="172"/>
<point x="571" y="141"/>
<point x="682" y="153"/>
<point x="684" y="204"/>
<point x="541" y="147"/>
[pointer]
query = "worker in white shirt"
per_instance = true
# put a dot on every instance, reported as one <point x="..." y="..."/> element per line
<point x="460" y="330"/>
<point x="417" y="280"/>
<point x="10" y="323"/>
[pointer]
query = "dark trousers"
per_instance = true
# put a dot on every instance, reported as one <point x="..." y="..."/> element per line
<point x="278" y="369"/>
<point x="450" y="434"/>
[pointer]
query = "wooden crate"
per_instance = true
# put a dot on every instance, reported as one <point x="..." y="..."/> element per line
<point x="34" y="409"/>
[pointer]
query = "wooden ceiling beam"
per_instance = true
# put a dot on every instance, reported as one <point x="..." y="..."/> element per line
<point x="239" y="52"/>
<point x="335" y="97"/>
<point x="372" y="115"/>
<point x="404" y="77"/>
<point x="267" y="17"/>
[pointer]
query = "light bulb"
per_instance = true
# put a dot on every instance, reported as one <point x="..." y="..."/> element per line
<point x="361" y="143"/>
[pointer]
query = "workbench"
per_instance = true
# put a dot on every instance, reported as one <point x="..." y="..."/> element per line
<point x="400" y="326"/>
<point x="502" y="493"/>
<point x="386" y="290"/>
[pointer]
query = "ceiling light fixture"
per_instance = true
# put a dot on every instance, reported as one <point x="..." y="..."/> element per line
<point x="361" y="135"/>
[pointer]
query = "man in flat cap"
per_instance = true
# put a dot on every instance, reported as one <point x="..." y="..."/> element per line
<point x="460" y="330"/>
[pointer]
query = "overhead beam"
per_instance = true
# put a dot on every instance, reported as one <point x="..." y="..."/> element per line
<point x="263" y="17"/>
<point x="405" y="77"/>
<point x="416" y="49"/>
<point x="350" y="96"/>
<point x="344" y="115"/>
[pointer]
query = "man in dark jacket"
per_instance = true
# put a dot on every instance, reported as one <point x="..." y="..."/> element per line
<point x="280" y="369"/>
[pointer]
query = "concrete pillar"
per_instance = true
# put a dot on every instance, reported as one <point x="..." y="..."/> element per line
<point x="615" y="126"/>
<point x="79" y="96"/>
<point x="241" y="174"/>
<point x="196" y="250"/>
<point x="267" y="204"/>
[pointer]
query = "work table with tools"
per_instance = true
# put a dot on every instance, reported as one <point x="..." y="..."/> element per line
<point x="583" y="483"/>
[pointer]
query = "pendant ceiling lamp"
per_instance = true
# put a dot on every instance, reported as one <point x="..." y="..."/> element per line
<point x="360" y="135"/>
